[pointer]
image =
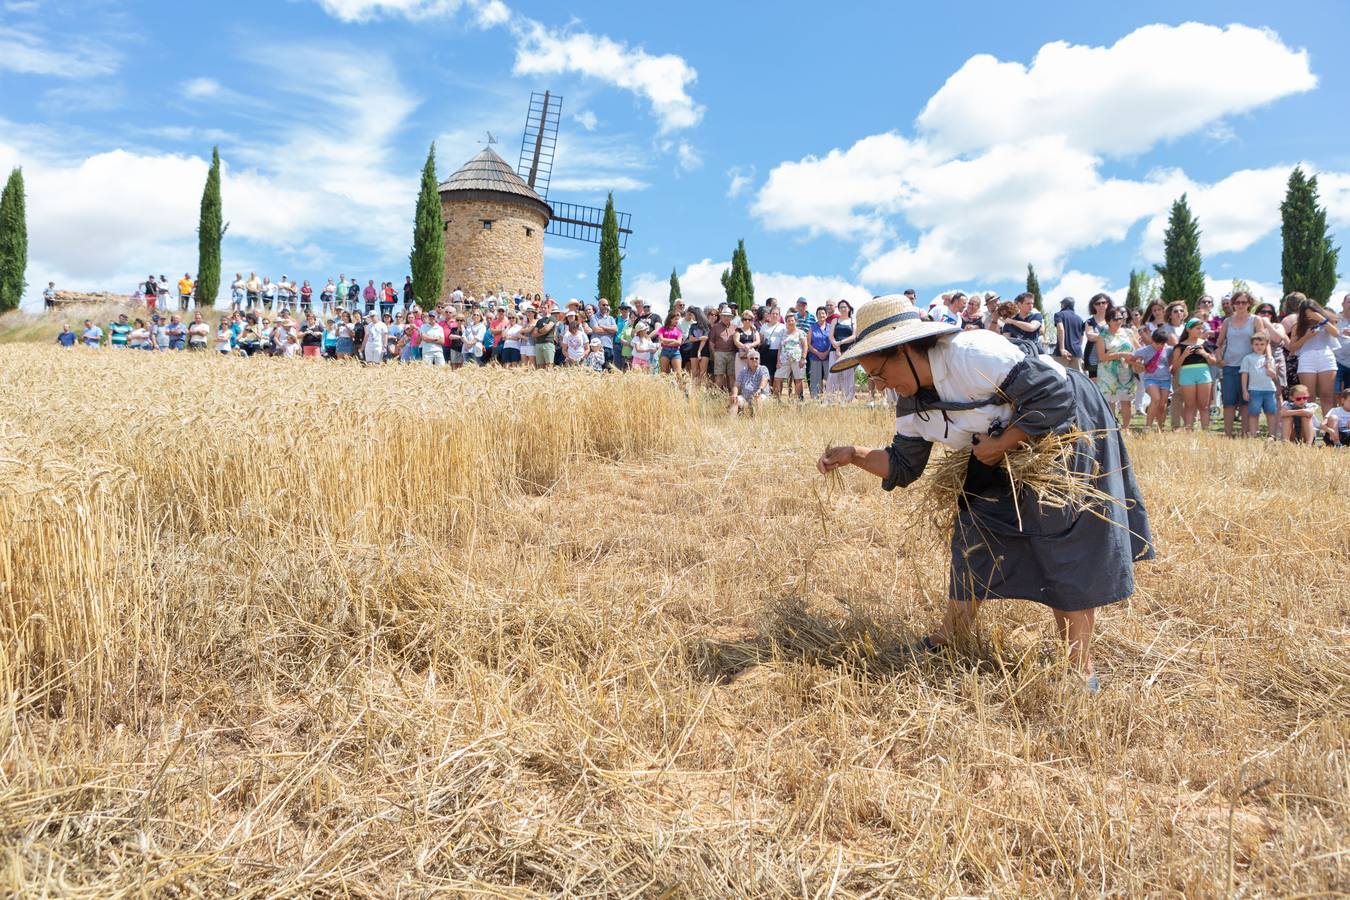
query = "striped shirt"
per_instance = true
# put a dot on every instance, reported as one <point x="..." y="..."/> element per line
<point x="117" y="333"/>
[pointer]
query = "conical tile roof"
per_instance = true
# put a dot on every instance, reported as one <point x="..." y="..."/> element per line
<point x="489" y="172"/>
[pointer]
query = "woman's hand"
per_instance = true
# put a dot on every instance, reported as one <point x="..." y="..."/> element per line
<point x="988" y="450"/>
<point x="835" y="458"/>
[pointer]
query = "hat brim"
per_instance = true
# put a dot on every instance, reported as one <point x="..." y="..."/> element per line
<point x="903" y="333"/>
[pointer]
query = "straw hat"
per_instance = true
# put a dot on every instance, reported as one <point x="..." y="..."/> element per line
<point x="886" y="322"/>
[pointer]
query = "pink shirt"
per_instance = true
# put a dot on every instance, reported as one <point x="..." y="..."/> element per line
<point x="671" y="337"/>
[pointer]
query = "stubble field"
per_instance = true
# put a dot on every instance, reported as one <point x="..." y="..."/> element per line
<point x="292" y="628"/>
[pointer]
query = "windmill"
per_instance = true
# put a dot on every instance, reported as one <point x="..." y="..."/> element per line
<point x="537" y="148"/>
<point x="495" y="219"/>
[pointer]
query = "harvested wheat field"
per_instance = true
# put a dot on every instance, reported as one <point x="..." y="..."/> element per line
<point x="297" y="628"/>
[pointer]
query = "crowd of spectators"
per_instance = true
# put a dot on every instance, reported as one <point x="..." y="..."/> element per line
<point x="1173" y="365"/>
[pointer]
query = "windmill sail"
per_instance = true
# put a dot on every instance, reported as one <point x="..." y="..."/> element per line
<point x="540" y="141"/>
<point x="583" y="223"/>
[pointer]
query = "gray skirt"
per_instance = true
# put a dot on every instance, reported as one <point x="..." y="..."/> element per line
<point x="1065" y="559"/>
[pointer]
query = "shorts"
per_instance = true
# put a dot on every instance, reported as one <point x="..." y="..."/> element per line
<point x="670" y="352"/>
<point x="1164" y="386"/>
<point x="1261" y="402"/>
<point x="527" y="351"/>
<point x="312" y="350"/>
<point x="788" y="368"/>
<point x="1230" y="385"/>
<point x="724" y="362"/>
<point x="454" y="357"/>
<point x="1197" y="373"/>
<point x="544" y="351"/>
<point x="344" y="345"/>
<point x="1316" y="362"/>
<point x="433" y="354"/>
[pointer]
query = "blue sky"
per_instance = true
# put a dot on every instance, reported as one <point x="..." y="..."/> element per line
<point x="858" y="148"/>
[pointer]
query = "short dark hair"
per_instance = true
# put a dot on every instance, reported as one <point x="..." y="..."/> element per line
<point x="1066" y="303"/>
<point x="1025" y="295"/>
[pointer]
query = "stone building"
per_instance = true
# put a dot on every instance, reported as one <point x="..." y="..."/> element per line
<point x="494" y="228"/>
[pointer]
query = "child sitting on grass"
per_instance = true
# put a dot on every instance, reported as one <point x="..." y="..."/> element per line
<point x="1257" y="374"/>
<point x="1336" y="428"/>
<point x="1299" y="418"/>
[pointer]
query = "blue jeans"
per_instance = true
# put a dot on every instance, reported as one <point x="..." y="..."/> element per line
<point x="1230" y="387"/>
<point x="1342" y="377"/>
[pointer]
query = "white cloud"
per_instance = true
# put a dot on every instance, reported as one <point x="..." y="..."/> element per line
<point x="662" y="80"/>
<point x="200" y="88"/>
<point x="701" y="283"/>
<point x="366" y="10"/>
<point x="556" y="251"/>
<point x="688" y="157"/>
<point x="333" y="174"/>
<point x="27" y="52"/>
<point x="586" y="119"/>
<point x="738" y="179"/>
<point x="1157" y="82"/>
<point x="1007" y="167"/>
<point x="1081" y="286"/>
<point x="600" y="183"/>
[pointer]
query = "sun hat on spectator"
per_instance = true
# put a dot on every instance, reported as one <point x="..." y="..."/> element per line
<point x="886" y="322"/>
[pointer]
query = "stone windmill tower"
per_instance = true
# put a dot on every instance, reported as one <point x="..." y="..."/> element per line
<point x="495" y="218"/>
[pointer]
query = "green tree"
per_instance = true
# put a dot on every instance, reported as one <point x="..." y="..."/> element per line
<point x="1134" y="297"/>
<point x="1308" y="261"/>
<point x="746" y="278"/>
<point x="1034" y="287"/>
<point x="13" y="242"/>
<point x="1182" y="273"/>
<point x="210" y="231"/>
<point x="674" y="288"/>
<point x="737" y="280"/>
<point x="427" y="259"/>
<point x="609" y="281"/>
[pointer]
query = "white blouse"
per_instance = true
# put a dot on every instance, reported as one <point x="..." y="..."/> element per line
<point x="967" y="365"/>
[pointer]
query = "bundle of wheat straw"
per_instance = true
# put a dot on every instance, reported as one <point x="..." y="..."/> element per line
<point x="1042" y="471"/>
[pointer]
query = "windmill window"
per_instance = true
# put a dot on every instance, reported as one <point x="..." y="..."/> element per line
<point x="529" y="232"/>
<point x="487" y="224"/>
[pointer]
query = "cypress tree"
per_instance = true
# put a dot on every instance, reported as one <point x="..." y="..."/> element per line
<point x="1034" y="287"/>
<point x="674" y="289"/>
<point x="1308" y="260"/>
<point x="737" y="281"/>
<point x="13" y="242"/>
<point x="1135" y="295"/>
<point x="210" y="230"/>
<point x="609" y="281"/>
<point x="1182" y="274"/>
<point x="747" y="281"/>
<point x="427" y="259"/>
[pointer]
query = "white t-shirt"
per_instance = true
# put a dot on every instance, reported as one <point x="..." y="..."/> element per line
<point x="432" y="333"/>
<point x="512" y="337"/>
<point x="968" y="365"/>
<point x="575" y="344"/>
<point x="1341" y="417"/>
<point x="773" y="334"/>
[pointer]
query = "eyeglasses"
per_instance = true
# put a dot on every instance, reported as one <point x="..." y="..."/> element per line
<point x="1098" y="303"/>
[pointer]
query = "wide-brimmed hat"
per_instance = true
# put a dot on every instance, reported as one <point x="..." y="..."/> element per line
<point x="886" y="322"/>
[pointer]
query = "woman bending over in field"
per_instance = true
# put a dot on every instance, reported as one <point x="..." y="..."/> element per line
<point x="975" y="390"/>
